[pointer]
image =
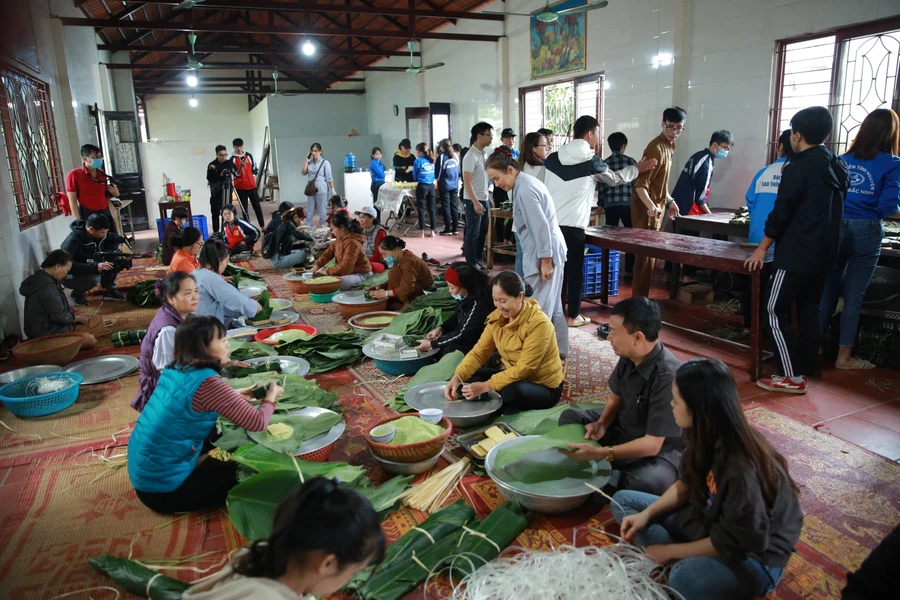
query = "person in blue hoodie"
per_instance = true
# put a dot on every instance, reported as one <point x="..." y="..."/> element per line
<point x="874" y="194"/>
<point x="423" y="173"/>
<point x="376" y="170"/>
<point x="446" y="172"/>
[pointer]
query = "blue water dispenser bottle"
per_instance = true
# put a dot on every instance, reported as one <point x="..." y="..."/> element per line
<point x="349" y="163"/>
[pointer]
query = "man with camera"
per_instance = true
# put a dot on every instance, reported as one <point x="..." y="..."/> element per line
<point x="95" y="258"/>
<point x="219" y="175"/>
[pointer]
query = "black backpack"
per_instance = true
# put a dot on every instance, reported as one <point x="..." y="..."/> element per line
<point x="269" y="247"/>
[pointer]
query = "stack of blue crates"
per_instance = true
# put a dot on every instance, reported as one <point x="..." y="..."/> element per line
<point x="593" y="272"/>
<point x="199" y="221"/>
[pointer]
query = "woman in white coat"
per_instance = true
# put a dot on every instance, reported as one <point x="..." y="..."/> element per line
<point x="541" y="242"/>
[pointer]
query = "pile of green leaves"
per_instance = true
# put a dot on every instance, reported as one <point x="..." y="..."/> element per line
<point x="136" y="579"/>
<point x="413" y="324"/>
<point x="558" y="438"/>
<point x="143" y="294"/>
<point x="246" y="350"/>
<point x="440" y="301"/>
<point x="326" y="351"/>
<point x="251" y="504"/>
<point x="376" y="279"/>
<point x="539" y="422"/>
<point x="440" y="371"/>
<point x="266" y="311"/>
<point x="273" y="367"/>
<point x="299" y="392"/>
<point x="305" y="428"/>
<point x="240" y="273"/>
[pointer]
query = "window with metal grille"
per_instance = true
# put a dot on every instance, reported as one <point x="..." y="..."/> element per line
<point x="556" y="106"/>
<point x="852" y="71"/>
<point x="29" y="135"/>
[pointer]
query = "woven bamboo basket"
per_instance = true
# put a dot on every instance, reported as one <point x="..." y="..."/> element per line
<point x="323" y="288"/>
<point x="96" y="327"/>
<point x="409" y="453"/>
<point x="57" y="349"/>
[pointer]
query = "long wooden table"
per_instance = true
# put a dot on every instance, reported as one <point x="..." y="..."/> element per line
<point x="689" y="250"/>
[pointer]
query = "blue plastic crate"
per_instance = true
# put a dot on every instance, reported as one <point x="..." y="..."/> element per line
<point x="593" y="272"/>
<point x="198" y="221"/>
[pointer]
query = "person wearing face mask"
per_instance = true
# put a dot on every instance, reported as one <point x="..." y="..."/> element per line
<point x="408" y="275"/>
<point x="692" y="189"/>
<point x="472" y="291"/>
<point x="88" y="187"/>
<point x="218" y="298"/>
<point x="322" y="534"/>
<point x="523" y="336"/>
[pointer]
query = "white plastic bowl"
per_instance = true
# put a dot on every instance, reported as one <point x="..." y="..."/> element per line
<point x="388" y="433"/>
<point x="431" y="415"/>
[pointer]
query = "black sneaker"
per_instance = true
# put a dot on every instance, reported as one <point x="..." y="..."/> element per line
<point x="79" y="299"/>
<point x="446" y="232"/>
<point x="113" y="294"/>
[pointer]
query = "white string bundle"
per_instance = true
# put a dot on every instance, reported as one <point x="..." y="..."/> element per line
<point x="47" y="385"/>
<point x="617" y="572"/>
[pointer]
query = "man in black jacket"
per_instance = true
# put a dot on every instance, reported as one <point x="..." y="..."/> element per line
<point x="89" y="268"/>
<point x="218" y="175"/>
<point x="805" y="225"/>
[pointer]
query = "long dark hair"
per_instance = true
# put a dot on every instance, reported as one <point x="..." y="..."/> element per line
<point x="721" y="433"/>
<point x="343" y="221"/>
<point x="426" y="150"/>
<point x="187" y="238"/>
<point x="283" y="208"/>
<point x="512" y="284"/>
<point x="528" y="157"/>
<point x="212" y="254"/>
<point x="170" y="285"/>
<point x="879" y="132"/>
<point x="392" y="242"/>
<point x="474" y="280"/>
<point x="446" y="146"/>
<point x="320" y="515"/>
<point x="192" y="340"/>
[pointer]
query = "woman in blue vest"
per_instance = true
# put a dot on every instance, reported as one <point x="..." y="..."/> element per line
<point x="873" y="195"/>
<point x="423" y="171"/>
<point x="446" y="172"/>
<point x="173" y="430"/>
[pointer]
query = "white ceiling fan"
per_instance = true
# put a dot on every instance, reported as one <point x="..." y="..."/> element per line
<point x="413" y="69"/>
<point x="550" y="16"/>
<point x="192" y="61"/>
<point x="187" y="4"/>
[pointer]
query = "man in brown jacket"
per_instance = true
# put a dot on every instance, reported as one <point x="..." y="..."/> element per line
<point x="650" y="193"/>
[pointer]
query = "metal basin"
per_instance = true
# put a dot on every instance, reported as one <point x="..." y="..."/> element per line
<point x="399" y="468"/>
<point x="462" y="413"/>
<point x="558" y="496"/>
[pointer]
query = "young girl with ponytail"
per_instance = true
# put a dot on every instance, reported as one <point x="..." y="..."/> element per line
<point x="423" y="172"/>
<point x="322" y="535"/>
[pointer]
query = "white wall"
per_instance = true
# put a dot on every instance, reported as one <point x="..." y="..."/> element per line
<point x="69" y="64"/>
<point x="722" y="72"/>
<point x="259" y="132"/>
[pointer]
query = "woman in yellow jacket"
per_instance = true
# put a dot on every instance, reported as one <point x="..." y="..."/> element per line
<point x="526" y="341"/>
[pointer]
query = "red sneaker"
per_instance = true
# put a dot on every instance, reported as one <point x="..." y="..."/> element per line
<point x="777" y="383"/>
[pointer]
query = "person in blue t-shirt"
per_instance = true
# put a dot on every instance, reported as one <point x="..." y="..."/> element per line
<point x="423" y="173"/>
<point x="376" y="170"/>
<point x="874" y="194"/>
<point x="446" y="172"/>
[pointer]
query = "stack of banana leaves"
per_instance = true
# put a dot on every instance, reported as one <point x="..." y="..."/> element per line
<point x="271" y="475"/>
<point x="240" y="273"/>
<point x="455" y="532"/>
<point x="440" y="371"/>
<point x="144" y="294"/>
<point x="246" y="350"/>
<point x="441" y="301"/>
<point x="326" y="351"/>
<point x="412" y="325"/>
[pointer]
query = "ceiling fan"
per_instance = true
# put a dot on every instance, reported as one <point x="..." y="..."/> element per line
<point x="414" y="70"/>
<point x="550" y="16"/>
<point x="192" y="60"/>
<point x="188" y="4"/>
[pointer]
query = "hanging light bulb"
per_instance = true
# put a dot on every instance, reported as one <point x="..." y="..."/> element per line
<point x="193" y="102"/>
<point x="192" y="80"/>
<point x="308" y="48"/>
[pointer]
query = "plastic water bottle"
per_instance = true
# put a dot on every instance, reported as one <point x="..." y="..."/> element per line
<point x="349" y="163"/>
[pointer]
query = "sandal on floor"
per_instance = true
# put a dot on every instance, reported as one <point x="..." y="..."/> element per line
<point x="859" y="364"/>
<point x="581" y="321"/>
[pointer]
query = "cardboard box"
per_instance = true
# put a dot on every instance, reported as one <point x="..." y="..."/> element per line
<point x="696" y="293"/>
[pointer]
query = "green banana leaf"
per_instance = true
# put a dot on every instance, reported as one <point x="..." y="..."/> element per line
<point x="442" y="370"/>
<point x="143" y="294"/>
<point x="233" y="437"/>
<point x="266" y="311"/>
<point x="326" y="351"/>
<point x="299" y="392"/>
<point x="376" y="279"/>
<point x="440" y="301"/>
<point x="413" y="323"/>
<point x="559" y="437"/>
<point x="241" y="273"/>
<point x="305" y="428"/>
<point x="135" y="578"/>
<point x="262" y="460"/>
<point x="381" y="497"/>
<point x="246" y="350"/>
<point x="502" y="526"/>
<point x="539" y="422"/>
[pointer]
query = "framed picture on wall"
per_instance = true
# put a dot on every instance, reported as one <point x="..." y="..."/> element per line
<point x="560" y="46"/>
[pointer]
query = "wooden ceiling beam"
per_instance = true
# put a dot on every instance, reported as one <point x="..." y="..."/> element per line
<point x="247" y="66"/>
<point x="278" y="30"/>
<point x="266" y="90"/>
<point x="230" y="48"/>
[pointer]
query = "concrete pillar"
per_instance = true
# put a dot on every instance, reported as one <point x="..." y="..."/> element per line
<point x="123" y="84"/>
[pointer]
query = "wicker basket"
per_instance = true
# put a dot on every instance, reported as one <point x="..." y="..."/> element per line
<point x="351" y="310"/>
<point x="409" y="453"/>
<point x="95" y="327"/>
<point x="57" y="349"/>
<point x="323" y="288"/>
<point x="320" y="455"/>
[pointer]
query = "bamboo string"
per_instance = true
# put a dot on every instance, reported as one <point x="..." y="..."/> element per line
<point x="481" y="535"/>
<point x="420" y="530"/>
